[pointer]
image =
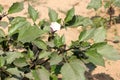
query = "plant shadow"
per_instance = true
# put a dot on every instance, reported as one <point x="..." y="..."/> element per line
<point x="102" y="76"/>
<point x="99" y="76"/>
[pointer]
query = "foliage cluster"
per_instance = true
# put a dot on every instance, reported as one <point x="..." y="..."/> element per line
<point x="27" y="54"/>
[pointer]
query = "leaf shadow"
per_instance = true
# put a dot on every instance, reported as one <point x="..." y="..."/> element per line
<point x="102" y="76"/>
<point x="99" y="76"/>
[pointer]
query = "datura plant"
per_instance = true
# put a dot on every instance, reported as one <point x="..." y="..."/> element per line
<point x="34" y="51"/>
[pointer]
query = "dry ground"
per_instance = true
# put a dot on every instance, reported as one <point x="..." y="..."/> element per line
<point x="111" y="71"/>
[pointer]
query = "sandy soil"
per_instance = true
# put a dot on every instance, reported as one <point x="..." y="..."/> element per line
<point x="111" y="71"/>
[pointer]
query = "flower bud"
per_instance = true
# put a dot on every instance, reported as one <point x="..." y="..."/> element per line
<point x="55" y="26"/>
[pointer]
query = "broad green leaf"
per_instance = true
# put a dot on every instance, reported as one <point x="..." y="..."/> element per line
<point x="107" y="4"/>
<point x="73" y="71"/>
<point x="44" y="25"/>
<point x="117" y="3"/>
<point x="95" y="4"/>
<point x="3" y="24"/>
<point x="109" y="52"/>
<point x="2" y="33"/>
<point x="15" y="71"/>
<point x="16" y="7"/>
<point x="54" y="77"/>
<point x="55" y="59"/>
<point x="2" y="61"/>
<point x="99" y="34"/>
<point x="44" y="54"/>
<point x="29" y="54"/>
<point x="86" y="34"/>
<point x="33" y="13"/>
<point x="11" y="56"/>
<point x="17" y="20"/>
<point x="95" y="57"/>
<point x="16" y="26"/>
<point x="79" y="21"/>
<point x="1" y="52"/>
<point x="1" y="8"/>
<point x="46" y="28"/>
<point x="40" y="43"/>
<point x="29" y="75"/>
<point x="51" y="44"/>
<point x="20" y="62"/>
<point x="69" y="15"/>
<point x="41" y="74"/>
<point x="59" y="41"/>
<point x="76" y="21"/>
<point x="1" y="40"/>
<point x="86" y="22"/>
<point x="53" y="15"/>
<point x="29" y="33"/>
<point x="98" y="21"/>
<point x="98" y="45"/>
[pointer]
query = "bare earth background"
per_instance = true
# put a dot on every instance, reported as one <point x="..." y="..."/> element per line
<point x="111" y="71"/>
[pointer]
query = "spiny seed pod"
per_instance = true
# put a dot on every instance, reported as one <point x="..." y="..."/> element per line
<point x="111" y="11"/>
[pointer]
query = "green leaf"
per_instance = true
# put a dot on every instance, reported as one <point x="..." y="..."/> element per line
<point x="54" y="77"/>
<point x="20" y="62"/>
<point x="44" y="54"/>
<point x="1" y="8"/>
<point x="99" y="34"/>
<point x="59" y="41"/>
<point x="2" y="61"/>
<point x="73" y="71"/>
<point x="30" y="54"/>
<point x="117" y="3"/>
<point x="76" y="21"/>
<point x="29" y="75"/>
<point x="79" y="21"/>
<point x="95" y="4"/>
<point x="109" y="52"/>
<point x="69" y="15"/>
<point x="55" y="59"/>
<point x="3" y="24"/>
<point x="95" y="57"/>
<point x="11" y="56"/>
<point x="2" y="52"/>
<point x="33" y="13"/>
<point x="17" y="20"/>
<point x="98" y="21"/>
<point x="107" y="4"/>
<point x="86" y="34"/>
<point x="40" y="43"/>
<point x="98" y="45"/>
<point x="41" y="74"/>
<point x="15" y="71"/>
<point x="44" y="25"/>
<point x="2" y="33"/>
<point x="53" y="15"/>
<point x="29" y="33"/>
<point x="17" y="26"/>
<point x="86" y="22"/>
<point x="16" y="7"/>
